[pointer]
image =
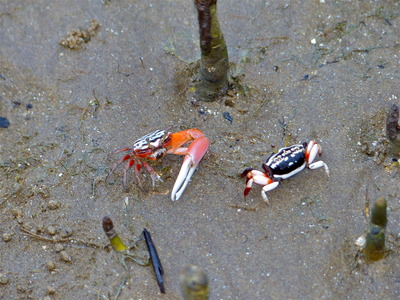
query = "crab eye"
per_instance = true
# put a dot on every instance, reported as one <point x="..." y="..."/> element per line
<point x="159" y="153"/>
<point x="167" y="138"/>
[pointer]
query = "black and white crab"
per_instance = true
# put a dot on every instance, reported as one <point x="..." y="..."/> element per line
<point x="285" y="163"/>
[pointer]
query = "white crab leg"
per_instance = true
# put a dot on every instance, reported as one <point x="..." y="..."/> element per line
<point x="319" y="164"/>
<point x="194" y="154"/>
<point x="315" y="149"/>
<point x="260" y="178"/>
<point x="267" y="188"/>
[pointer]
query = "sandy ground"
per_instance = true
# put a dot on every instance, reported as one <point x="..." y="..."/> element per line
<point x="307" y="70"/>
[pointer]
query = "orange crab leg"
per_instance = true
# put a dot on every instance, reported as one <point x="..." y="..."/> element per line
<point x="193" y="155"/>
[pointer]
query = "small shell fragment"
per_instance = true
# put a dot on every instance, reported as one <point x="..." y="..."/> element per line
<point x="360" y="241"/>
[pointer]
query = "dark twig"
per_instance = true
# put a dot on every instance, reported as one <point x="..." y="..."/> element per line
<point x="155" y="260"/>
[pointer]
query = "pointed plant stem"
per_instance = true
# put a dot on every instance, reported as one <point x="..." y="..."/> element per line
<point x="214" y="63"/>
<point x="194" y="283"/>
<point x="375" y="237"/>
<point x="393" y="129"/>
<point x="112" y="235"/>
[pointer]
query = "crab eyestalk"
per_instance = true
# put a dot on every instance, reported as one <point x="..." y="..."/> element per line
<point x="194" y="283"/>
<point x="375" y="237"/>
<point x="214" y="62"/>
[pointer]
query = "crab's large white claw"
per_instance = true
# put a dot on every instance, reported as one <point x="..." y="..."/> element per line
<point x="194" y="154"/>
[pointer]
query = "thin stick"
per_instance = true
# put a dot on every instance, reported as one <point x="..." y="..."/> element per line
<point x="155" y="260"/>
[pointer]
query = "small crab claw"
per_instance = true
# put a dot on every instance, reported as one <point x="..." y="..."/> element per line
<point x="314" y="149"/>
<point x="194" y="154"/>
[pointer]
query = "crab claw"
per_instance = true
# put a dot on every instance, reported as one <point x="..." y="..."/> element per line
<point x="193" y="156"/>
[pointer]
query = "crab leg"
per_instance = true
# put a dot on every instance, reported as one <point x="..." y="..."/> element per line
<point x="314" y="149"/>
<point x="125" y="158"/>
<point x="260" y="178"/>
<point x="154" y="175"/>
<point x="129" y="165"/>
<point x="267" y="188"/>
<point x="193" y="155"/>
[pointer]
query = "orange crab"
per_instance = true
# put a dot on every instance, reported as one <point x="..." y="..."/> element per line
<point x="156" y="145"/>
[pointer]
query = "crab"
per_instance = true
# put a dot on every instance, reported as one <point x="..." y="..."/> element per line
<point x="285" y="163"/>
<point x="156" y="145"/>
